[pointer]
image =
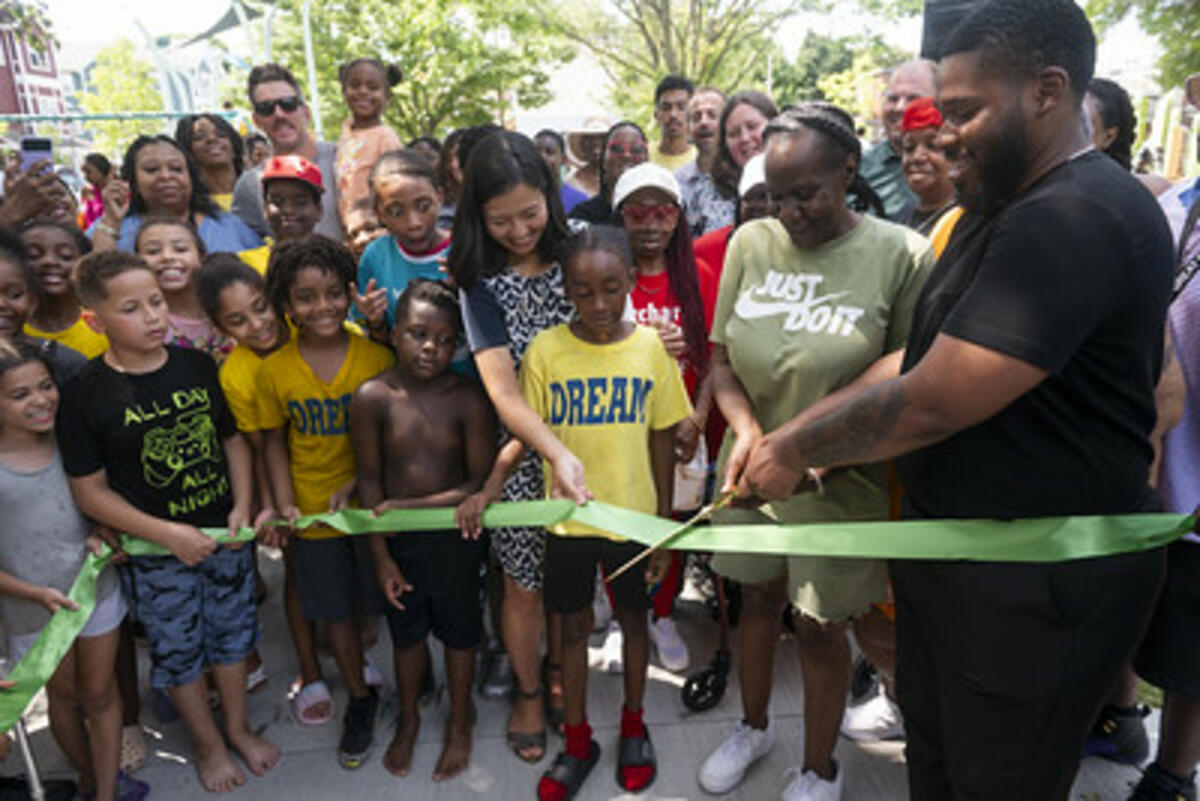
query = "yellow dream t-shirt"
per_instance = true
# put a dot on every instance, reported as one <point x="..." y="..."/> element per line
<point x="317" y="416"/>
<point x="78" y="337"/>
<point x="239" y="382"/>
<point x="602" y="402"/>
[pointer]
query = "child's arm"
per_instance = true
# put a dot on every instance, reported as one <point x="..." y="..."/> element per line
<point x="97" y="500"/>
<point x="469" y="515"/>
<point x="691" y="429"/>
<point x="366" y="434"/>
<point x="241" y="479"/>
<point x="500" y="379"/>
<point x="262" y="480"/>
<point x="662" y="466"/>
<point x="280" y="479"/>
<point x="48" y="597"/>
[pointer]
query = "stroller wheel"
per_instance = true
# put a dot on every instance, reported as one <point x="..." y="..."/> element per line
<point x="704" y="689"/>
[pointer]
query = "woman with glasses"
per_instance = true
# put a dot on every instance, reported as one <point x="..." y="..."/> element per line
<point x="625" y="146"/>
<point x="810" y="301"/>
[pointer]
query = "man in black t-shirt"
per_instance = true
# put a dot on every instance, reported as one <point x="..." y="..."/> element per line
<point x="1027" y="390"/>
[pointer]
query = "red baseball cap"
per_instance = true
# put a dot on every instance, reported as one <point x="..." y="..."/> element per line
<point x="921" y="113"/>
<point x="295" y="167"/>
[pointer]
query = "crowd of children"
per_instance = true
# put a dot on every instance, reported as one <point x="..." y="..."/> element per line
<point x="466" y="344"/>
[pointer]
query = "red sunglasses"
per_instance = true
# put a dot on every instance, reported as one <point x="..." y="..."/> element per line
<point x="636" y="213"/>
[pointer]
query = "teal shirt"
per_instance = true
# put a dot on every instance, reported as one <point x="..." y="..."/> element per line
<point x="881" y="169"/>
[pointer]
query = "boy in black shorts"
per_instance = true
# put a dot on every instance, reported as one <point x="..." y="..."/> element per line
<point x="426" y="437"/>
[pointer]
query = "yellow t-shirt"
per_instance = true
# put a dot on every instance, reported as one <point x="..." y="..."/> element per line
<point x="257" y="257"/>
<point x="239" y="382"/>
<point x="317" y="416"/>
<point x="223" y="200"/>
<point x="672" y="163"/>
<point x="602" y="402"/>
<point x="78" y="337"/>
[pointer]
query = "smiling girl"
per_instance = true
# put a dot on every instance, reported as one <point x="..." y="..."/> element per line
<point x="54" y="250"/>
<point x="174" y="252"/>
<point x="367" y="88"/>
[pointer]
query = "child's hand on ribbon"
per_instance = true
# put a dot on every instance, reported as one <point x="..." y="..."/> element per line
<point x="103" y="535"/>
<point x="341" y="499"/>
<point x="238" y="519"/>
<point x="468" y="517"/>
<point x="189" y="545"/>
<point x="54" y="600"/>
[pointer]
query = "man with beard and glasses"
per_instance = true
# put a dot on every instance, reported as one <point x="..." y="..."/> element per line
<point x="1026" y="390"/>
<point x="281" y="113"/>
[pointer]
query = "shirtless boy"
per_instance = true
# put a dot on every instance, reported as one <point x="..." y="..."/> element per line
<point x="426" y="437"/>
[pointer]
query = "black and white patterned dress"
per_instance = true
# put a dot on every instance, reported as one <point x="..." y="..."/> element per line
<point x="529" y="305"/>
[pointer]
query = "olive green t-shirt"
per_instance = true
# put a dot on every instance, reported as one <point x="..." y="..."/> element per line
<point x="800" y="324"/>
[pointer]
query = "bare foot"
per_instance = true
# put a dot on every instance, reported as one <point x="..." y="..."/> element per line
<point x="456" y="752"/>
<point x="398" y="758"/>
<point x="218" y="772"/>
<point x="259" y="755"/>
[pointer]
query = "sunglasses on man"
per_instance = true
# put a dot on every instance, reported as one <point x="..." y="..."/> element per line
<point x="289" y="103"/>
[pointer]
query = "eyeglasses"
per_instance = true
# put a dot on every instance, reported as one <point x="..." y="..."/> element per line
<point x="289" y="103"/>
<point x="636" y="213"/>
<point x="632" y="151"/>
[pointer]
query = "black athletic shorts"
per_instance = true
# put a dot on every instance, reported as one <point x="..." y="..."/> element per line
<point x="446" y="574"/>
<point x="570" y="580"/>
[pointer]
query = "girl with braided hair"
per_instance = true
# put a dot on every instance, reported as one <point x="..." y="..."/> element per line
<point x="810" y="302"/>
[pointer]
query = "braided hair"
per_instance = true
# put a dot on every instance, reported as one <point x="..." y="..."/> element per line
<point x="837" y="128"/>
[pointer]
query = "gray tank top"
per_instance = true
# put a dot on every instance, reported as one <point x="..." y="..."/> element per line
<point x="41" y="541"/>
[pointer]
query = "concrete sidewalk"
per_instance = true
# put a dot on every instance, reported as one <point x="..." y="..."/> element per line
<point x="309" y="768"/>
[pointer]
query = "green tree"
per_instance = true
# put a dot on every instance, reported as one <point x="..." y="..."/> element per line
<point x="1175" y="23"/>
<point x="637" y="42"/>
<point x="121" y="81"/>
<point x="465" y="62"/>
<point x="31" y="22"/>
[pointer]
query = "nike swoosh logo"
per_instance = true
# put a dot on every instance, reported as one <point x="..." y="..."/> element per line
<point x="749" y="309"/>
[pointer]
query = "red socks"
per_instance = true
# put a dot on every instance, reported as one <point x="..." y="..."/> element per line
<point x="579" y="745"/>
<point x="579" y="740"/>
<point x="634" y="777"/>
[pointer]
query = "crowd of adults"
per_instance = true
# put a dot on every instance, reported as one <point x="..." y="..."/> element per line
<point x="978" y="298"/>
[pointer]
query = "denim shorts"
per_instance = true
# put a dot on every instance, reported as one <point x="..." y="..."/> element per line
<point x="198" y="616"/>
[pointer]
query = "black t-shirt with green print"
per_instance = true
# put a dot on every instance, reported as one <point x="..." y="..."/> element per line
<point x="158" y="436"/>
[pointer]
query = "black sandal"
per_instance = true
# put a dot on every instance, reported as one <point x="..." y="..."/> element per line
<point x="520" y="741"/>
<point x="634" y="752"/>
<point x="570" y="771"/>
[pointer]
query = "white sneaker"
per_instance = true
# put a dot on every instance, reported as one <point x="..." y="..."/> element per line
<point x="808" y="786"/>
<point x="876" y="719"/>
<point x="612" y="658"/>
<point x="725" y="767"/>
<point x="672" y="650"/>
<point x="601" y="608"/>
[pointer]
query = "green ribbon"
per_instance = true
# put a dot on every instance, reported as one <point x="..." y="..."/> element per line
<point x="1049" y="539"/>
